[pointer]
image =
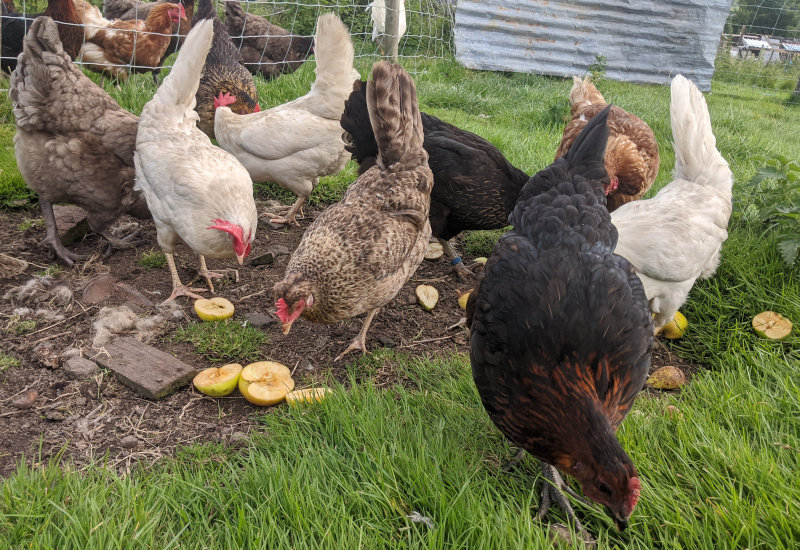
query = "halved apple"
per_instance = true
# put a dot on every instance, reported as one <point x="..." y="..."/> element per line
<point x="481" y="260"/>
<point x="463" y="298"/>
<point x="265" y="383"/>
<point x="427" y="296"/>
<point x="434" y="251"/>
<point x="218" y="381"/>
<point x="213" y="309"/>
<point x="308" y="395"/>
<point x="774" y="326"/>
<point x="675" y="328"/>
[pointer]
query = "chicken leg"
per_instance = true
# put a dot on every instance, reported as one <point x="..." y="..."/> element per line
<point x="291" y="213"/>
<point x="178" y="288"/>
<point x="461" y="270"/>
<point x="552" y="494"/>
<point x="360" y="341"/>
<point x="52" y="237"/>
<point x="208" y="274"/>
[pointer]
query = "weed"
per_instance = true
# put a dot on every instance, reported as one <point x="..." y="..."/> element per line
<point x="598" y="68"/>
<point x="50" y="271"/>
<point x="152" y="259"/>
<point x="29" y="223"/>
<point x="7" y="361"/>
<point x="481" y="243"/>
<point x="223" y="340"/>
<point x="27" y="325"/>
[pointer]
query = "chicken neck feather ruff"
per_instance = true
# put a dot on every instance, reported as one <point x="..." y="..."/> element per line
<point x="358" y="253"/>
<point x="198" y="193"/>
<point x="560" y="332"/>
<point x="676" y="237"/>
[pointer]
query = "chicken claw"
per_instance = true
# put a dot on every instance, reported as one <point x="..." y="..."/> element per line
<point x="183" y="290"/>
<point x="360" y="341"/>
<point x="290" y="215"/>
<point x="552" y="494"/>
<point x="52" y="237"/>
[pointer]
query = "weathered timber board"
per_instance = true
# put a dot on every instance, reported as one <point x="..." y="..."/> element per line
<point x="146" y="370"/>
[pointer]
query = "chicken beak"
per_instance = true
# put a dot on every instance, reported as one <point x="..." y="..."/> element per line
<point x="240" y="258"/>
<point x="286" y="327"/>
<point x="621" y="523"/>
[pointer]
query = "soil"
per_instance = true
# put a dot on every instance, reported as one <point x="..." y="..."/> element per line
<point x="46" y="411"/>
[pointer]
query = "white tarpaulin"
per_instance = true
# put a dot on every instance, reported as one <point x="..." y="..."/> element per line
<point x="644" y="41"/>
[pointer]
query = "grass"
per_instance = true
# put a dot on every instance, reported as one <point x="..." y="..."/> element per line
<point x="348" y="472"/>
<point x="50" y="271"/>
<point x="152" y="259"/>
<point x="8" y="361"/>
<point x="223" y="341"/>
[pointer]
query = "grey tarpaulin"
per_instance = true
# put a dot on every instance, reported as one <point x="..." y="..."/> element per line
<point x="643" y="41"/>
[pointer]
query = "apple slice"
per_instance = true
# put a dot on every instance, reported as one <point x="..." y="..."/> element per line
<point x="481" y="260"/>
<point x="675" y="328"/>
<point x="427" y="296"/>
<point x="213" y="309"/>
<point x="265" y="383"/>
<point x="218" y="381"/>
<point x="308" y="395"/>
<point x="774" y="326"/>
<point x="434" y="251"/>
<point x="463" y="298"/>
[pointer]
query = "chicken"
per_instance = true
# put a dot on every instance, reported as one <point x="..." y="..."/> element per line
<point x="266" y="49"/>
<point x="137" y="44"/>
<point x="358" y="253"/>
<point x="379" y="36"/>
<point x="73" y="143"/>
<point x="676" y="237"/>
<point x="296" y="143"/>
<point x="15" y="25"/>
<point x="136" y="9"/>
<point x="632" y="153"/>
<point x="561" y="335"/>
<point x="197" y="193"/>
<point x="474" y="186"/>
<point x="223" y="74"/>
<point x="90" y="17"/>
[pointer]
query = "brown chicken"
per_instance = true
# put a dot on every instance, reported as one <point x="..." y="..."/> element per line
<point x="267" y="49"/>
<point x="73" y="143"/>
<point x="561" y="333"/>
<point x="358" y="253"/>
<point x="225" y="81"/>
<point x="137" y="44"/>
<point x="632" y="152"/>
<point x="136" y="9"/>
<point x="474" y="186"/>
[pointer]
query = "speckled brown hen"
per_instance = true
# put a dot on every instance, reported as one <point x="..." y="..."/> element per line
<point x="358" y="253"/>
<point x="561" y="333"/>
<point x="73" y="143"/>
<point x="225" y="81"/>
<point x="632" y="152"/>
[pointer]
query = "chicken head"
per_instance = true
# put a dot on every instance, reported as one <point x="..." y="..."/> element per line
<point x="241" y="245"/>
<point x="176" y="14"/>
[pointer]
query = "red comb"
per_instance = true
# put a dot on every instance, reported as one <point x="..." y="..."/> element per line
<point x="634" y="488"/>
<point x="283" y="310"/>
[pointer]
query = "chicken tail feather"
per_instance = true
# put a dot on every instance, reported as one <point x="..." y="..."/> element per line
<point x="393" y="112"/>
<point x="696" y="156"/>
<point x="180" y="85"/>
<point x="585" y="156"/>
<point x="333" y="50"/>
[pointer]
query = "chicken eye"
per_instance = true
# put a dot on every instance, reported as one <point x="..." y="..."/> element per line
<point x="603" y="488"/>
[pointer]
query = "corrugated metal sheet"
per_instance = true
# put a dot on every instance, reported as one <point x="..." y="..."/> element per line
<point x="645" y="41"/>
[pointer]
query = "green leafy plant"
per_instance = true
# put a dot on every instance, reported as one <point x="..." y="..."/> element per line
<point x="598" y="68"/>
<point x="29" y="223"/>
<point x="775" y="193"/>
<point x="7" y="361"/>
<point x="50" y="271"/>
<point x="152" y="259"/>
<point x="223" y="341"/>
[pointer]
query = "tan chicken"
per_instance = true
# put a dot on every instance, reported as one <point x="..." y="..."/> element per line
<point x="358" y="253"/>
<point x="73" y="144"/>
<point x="137" y="44"/>
<point x="297" y="143"/>
<point x="632" y="153"/>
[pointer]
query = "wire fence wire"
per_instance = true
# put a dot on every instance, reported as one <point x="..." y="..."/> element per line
<point x="428" y="30"/>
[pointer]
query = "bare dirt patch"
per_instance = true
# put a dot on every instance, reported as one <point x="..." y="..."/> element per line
<point x="46" y="410"/>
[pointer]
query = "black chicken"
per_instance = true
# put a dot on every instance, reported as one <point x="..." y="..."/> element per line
<point x="474" y="186"/>
<point x="561" y="333"/>
<point x="14" y="27"/>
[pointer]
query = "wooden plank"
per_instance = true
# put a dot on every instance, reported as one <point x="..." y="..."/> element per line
<point x="146" y="370"/>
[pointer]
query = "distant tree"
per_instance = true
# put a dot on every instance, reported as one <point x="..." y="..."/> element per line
<point x="778" y="17"/>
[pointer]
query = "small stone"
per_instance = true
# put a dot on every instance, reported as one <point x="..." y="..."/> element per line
<point x="411" y="299"/>
<point x="673" y="412"/>
<point x="55" y="416"/>
<point x="385" y="341"/>
<point x="278" y="250"/>
<point x="80" y="368"/>
<point x="667" y="378"/>
<point x="134" y="296"/>
<point x="264" y="259"/>
<point x="307" y="365"/>
<point x="81" y="401"/>
<point x="129" y="442"/>
<point x="260" y="320"/>
<point x="44" y="355"/>
<point x="99" y="289"/>
<point x="71" y="223"/>
<point x="238" y="438"/>
<point x="25" y="400"/>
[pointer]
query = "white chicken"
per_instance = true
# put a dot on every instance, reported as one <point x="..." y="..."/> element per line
<point x="296" y="143"/>
<point x="196" y="192"/>
<point x="378" y="8"/>
<point x="676" y="237"/>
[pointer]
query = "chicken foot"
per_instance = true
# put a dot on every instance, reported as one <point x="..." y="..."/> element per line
<point x="119" y="244"/>
<point x="462" y="271"/>
<point x="552" y="494"/>
<point x="208" y="275"/>
<point x="178" y="288"/>
<point x="360" y="341"/>
<point x="291" y="213"/>
<point x="52" y="237"/>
